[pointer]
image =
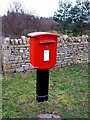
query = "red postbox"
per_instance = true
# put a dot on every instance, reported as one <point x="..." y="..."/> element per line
<point x="43" y="47"/>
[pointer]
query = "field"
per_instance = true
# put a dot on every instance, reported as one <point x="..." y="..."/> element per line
<point x="68" y="94"/>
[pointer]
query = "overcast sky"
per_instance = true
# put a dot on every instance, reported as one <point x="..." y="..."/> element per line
<point x="44" y="8"/>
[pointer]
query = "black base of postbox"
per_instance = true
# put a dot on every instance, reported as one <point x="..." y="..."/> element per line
<point x="42" y="85"/>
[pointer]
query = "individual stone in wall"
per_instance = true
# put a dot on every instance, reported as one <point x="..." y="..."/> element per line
<point x="84" y="38"/>
<point x="18" y="70"/>
<point x="74" y="39"/>
<point x="20" y="41"/>
<point x="23" y="39"/>
<point x="69" y="40"/>
<point x="27" y="40"/>
<point x="12" y="41"/>
<point x="60" y="39"/>
<point x="21" y="51"/>
<point x="7" y="41"/>
<point x="65" y="38"/>
<point x="16" y="41"/>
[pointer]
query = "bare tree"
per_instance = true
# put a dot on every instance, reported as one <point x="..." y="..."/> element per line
<point x="16" y="7"/>
<point x="17" y="22"/>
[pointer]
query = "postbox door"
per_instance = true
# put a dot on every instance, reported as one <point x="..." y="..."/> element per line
<point x="47" y="55"/>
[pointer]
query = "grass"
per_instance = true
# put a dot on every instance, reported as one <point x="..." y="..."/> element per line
<point x="68" y="94"/>
<point x="0" y="90"/>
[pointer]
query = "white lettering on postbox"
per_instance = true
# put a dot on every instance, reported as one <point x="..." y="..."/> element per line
<point x="46" y="55"/>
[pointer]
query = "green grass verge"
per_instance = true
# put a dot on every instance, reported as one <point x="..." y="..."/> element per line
<point x="68" y="94"/>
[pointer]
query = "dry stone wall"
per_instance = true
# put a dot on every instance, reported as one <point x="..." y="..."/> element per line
<point x="69" y="50"/>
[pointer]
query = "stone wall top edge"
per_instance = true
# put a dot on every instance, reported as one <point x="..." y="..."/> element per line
<point x="61" y="40"/>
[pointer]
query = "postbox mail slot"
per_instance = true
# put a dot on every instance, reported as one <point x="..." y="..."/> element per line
<point x="47" y="42"/>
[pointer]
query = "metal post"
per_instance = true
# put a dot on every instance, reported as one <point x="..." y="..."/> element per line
<point x="42" y="85"/>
